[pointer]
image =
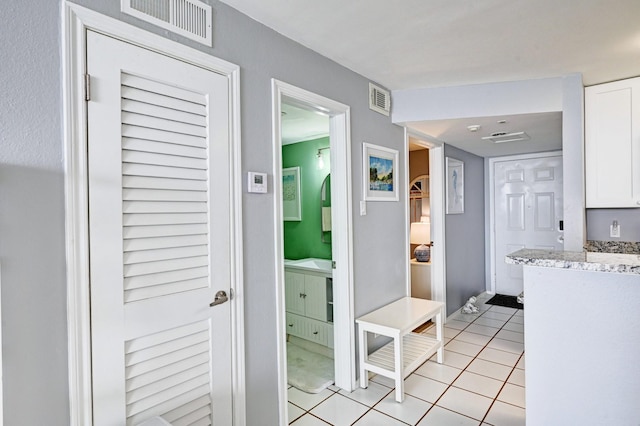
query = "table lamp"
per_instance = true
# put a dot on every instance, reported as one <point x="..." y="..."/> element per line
<point x="421" y="234"/>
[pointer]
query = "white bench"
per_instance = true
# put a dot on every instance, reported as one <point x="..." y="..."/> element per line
<point x="407" y="351"/>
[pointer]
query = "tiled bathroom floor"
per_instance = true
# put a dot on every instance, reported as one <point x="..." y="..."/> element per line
<point x="481" y="381"/>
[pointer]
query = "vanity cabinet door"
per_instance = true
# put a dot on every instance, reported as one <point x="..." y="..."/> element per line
<point x="612" y="144"/>
<point x="316" y="297"/>
<point x="294" y="292"/>
<point x="306" y="295"/>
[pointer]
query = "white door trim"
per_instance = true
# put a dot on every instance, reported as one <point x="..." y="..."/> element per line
<point x="437" y="202"/>
<point x="492" y="215"/>
<point x="342" y="247"/>
<point x="76" y="21"/>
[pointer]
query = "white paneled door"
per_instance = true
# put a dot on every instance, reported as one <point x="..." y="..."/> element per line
<point x="160" y="237"/>
<point x="528" y="213"/>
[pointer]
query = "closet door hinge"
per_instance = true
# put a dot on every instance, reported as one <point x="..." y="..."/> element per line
<point x="87" y="87"/>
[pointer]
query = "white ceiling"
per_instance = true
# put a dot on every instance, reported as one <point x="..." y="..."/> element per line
<point x="299" y="124"/>
<point x="543" y="129"/>
<point x="435" y="43"/>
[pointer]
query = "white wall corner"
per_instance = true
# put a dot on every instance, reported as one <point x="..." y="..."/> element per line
<point x="573" y="162"/>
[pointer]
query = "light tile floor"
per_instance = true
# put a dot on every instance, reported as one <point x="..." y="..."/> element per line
<point x="481" y="381"/>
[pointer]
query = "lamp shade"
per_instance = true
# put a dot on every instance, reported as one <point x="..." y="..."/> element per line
<point x="420" y="233"/>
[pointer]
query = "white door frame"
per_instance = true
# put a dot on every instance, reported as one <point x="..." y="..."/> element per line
<point x="492" y="213"/>
<point x="76" y="21"/>
<point x="341" y="223"/>
<point x="437" y="208"/>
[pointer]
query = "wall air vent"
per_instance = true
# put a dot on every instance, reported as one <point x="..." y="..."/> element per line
<point x="502" y="137"/>
<point x="379" y="99"/>
<point x="189" y="18"/>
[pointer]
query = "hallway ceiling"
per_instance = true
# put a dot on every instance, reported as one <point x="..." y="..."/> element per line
<point x="436" y="43"/>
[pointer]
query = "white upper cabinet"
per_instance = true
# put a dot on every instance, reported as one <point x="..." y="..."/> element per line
<point x="612" y="144"/>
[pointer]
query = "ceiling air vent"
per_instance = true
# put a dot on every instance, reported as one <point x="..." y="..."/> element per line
<point x="502" y="137"/>
<point x="190" y="18"/>
<point x="379" y="99"/>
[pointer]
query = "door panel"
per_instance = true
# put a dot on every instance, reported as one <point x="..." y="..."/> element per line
<point x="159" y="202"/>
<point x="527" y="211"/>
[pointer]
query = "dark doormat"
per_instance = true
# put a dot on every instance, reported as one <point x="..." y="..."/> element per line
<point x="506" y="301"/>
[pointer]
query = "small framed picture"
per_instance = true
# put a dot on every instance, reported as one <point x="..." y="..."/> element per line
<point x="455" y="186"/>
<point x="380" y="173"/>
<point x="291" y="210"/>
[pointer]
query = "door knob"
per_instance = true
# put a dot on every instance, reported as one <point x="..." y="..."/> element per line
<point x="219" y="298"/>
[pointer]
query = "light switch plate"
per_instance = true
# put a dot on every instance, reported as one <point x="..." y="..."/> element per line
<point x="363" y="208"/>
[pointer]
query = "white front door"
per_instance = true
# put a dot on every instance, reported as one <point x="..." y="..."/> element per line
<point x="528" y="213"/>
<point x="160" y="237"/>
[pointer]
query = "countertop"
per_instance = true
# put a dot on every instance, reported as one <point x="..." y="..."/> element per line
<point x="583" y="260"/>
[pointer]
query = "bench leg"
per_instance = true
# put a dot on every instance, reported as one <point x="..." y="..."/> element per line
<point x="399" y="368"/>
<point x="440" y="337"/>
<point x="364" y="375"/>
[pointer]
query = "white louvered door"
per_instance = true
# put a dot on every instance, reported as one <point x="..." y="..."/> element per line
<point x="528" y="211"/>
<point x="160" y="237"/>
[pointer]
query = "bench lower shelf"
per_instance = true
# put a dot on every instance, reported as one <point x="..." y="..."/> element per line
<point x="416" y="350"/>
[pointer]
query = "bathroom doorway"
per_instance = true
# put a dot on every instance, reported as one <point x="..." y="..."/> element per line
<point x="324" y="275"/>
<point x="308" y="280"/>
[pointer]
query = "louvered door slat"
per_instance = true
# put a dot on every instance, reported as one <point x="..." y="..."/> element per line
<point x="165" y="230"/>
<point x="130" y="80"/>
<point x="163" y="218"/>
<point x="164" y="160"/>
<point x="164" y="254"/>
<point x="166" y="395"/>
<point x="183" y="411"/>
<point x="143" y="145"/>
<point x="182" y="275"/>
<point x="162" y="207"/>
<point x="163" y="195"/>
<point x="143" y="355"/>
<point x="160" y="373"/>
<point x="137" y="132"/>
<point x="168" y="382"/>
<point x="142" y="182"/>
<point x="165" y="242"/>
<point x="163" y="171"/>
<point x="162" y="124"/>
<point x="160" y="290"/>
<point x="170" y="358"/>
<point x="143" y="108"/>
<point x="177" y="400"/>
<point x="202" y="422"/>
<point x="164" y="101"/>
<point x="147" y="268"/>
<point x="145" y="342"/>
<point x="194" y="418"/>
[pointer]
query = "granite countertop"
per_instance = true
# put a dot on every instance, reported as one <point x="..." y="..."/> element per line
<point x="582" y="260"/>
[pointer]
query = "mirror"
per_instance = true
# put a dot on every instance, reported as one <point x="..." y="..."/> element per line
<point x="325" y="214"/>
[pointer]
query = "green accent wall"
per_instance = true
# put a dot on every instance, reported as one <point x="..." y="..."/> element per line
<point x="302" y="239"/>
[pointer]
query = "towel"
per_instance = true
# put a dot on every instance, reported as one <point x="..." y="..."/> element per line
<point x="326" y="219"/>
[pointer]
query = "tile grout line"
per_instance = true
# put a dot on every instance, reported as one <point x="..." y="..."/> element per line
<point x="449" y="386"/>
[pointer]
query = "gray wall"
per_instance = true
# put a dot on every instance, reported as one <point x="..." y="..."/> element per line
<point x="32" y="250"/>
<point x="465" y="238"/>
<point x="599" y="220"/>
<point x="32" y="200"/>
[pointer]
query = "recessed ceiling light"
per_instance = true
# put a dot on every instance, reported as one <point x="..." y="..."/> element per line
<point x="501" y="121"/>
<point x="474" y="127"/>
